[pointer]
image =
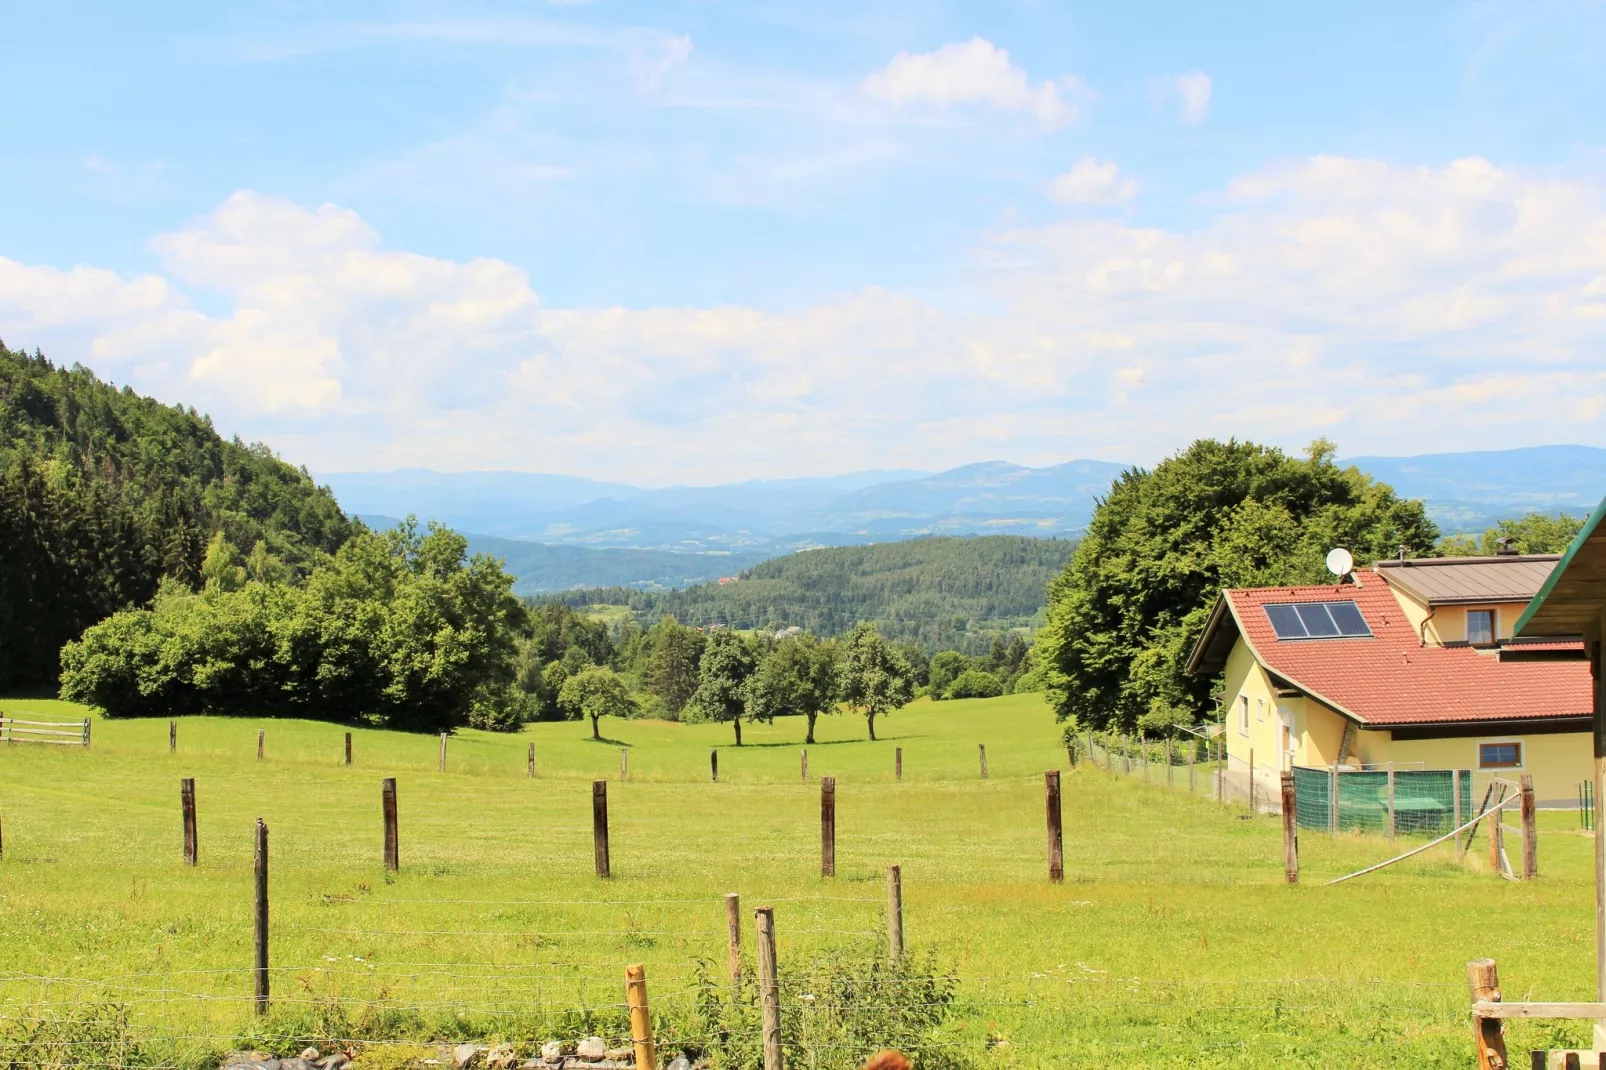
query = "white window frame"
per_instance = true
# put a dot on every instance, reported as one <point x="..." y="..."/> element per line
<point x="1522" y="754"/>
<point x="1243" y="715"/>
<point x="1260" y="710"/>
<point x="1494" y="625"/>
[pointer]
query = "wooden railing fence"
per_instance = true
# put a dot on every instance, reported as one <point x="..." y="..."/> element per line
<point x="65" y="733"/>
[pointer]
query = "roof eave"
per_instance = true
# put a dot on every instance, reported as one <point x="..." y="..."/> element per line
<point x="1580" y="540"/>
<point x="1217" y="612"/>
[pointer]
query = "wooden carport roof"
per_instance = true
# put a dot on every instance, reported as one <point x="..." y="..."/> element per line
<point x="1573" y="599"/>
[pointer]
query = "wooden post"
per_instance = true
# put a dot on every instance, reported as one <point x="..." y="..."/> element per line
<point x="1221" y="768"/>
<point x="1126" y="753"/>
<point x="1392" y="828"/>
<point x="529" y="763"/>
<point x="981" y="750"/>
<point x="1290" y="830"/>
<point x="828" y="826"/>
<point x="733" y="936"/>
<point x="1455" y="804"/>
<point x="640" y="1020"/>
<point x="804" y="764"/>
<point x="1496" y="841"/>
<point x="172" y="737"/>
<point x="897" y="763"/>
<point x="443" y="752"/>
<point x="1143" y="755"/>
<point x="1484" y="981"/>
<point x="1332" y="798"/>
<point x="769" y="989"/>
<point x="387" y="799"/>
<point x="713" y="765"/>
<point x="186" y="800"/>
<point x="624" y="764"/>
<point x="86" y="733"/>
<point x="260" y="917"/>
<point x="1530" y="831"/>
<point x="599" y="825"/>
<point x="895" y="912"/>
<point x="1056" y="843"/>
<point x="1168" y="781"/>
<point x="1091" y="757"/>
<point x="261" y="737"/>
<point x="348" y="748"/>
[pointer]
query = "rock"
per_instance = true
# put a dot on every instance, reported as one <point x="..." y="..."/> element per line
<point x="297" y="1063"/>
<point x="552" y="1052"/>
<point x="465" y="1056"/>
<point x="592" y="1049"/>
<point x="501" y="1057"/>
<point x="679" y="1062"/>
<point x="619" y="1055"/>
<point x="311" y="1055"/>
<point x="335" y="1061"/>
<point x="244" y="1059"/>
<point x="532" y="1064"/>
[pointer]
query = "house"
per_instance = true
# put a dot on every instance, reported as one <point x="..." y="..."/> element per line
<point x="1410" y="662"/>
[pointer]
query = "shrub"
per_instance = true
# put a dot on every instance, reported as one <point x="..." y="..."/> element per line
<point x="976" y="683"/>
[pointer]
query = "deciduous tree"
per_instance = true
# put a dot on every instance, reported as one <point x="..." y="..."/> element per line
<point x="874" y="679"/>
<point x="798" y="677"/>
<point x="727" y="664"/>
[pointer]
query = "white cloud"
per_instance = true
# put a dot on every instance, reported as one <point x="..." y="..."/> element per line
<point x="1397" y="309"/>
<point x="968" y="72"/>
<point x="1091" y="181"/>
<point x="1194" y="89"/>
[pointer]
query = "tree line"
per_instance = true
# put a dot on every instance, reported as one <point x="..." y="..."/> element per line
<point x="104" y="493"/>
<point x="936" y="593"/>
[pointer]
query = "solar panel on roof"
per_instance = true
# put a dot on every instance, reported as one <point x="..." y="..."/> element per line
<point x="1318" y="620"/>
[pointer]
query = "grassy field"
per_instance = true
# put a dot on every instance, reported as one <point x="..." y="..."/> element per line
<point x="1173" y="941"/>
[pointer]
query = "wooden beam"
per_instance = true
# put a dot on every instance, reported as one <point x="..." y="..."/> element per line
<point x="1491" y="1009"/>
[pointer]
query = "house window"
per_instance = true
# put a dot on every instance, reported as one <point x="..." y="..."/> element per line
<point x="1243" y="715"/>
<point x="1260" y="709"/>
<point x="1480" y="627"/>
<point x="1500" y="755"/>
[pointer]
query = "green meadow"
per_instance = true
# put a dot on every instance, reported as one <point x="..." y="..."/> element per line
<point x="1172" y="942"/>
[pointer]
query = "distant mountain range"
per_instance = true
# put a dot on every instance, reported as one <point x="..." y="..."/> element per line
<point x="674" y="536"/>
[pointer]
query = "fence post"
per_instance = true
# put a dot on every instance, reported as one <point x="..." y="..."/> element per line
<point x="1091" y="757"/>
<point x="348" y="748"/>
<point x="803" y="764"/>
<point x="260" y="917"/>
<point x="529" y="763"/>
<point x="1126" y="753"/>
<point x="1392" y="822"/>
<point x="186" y="800"/>
<point x="1497" y="844"/>
<point x="86" y="733"/>
<point x="1143" y="755"/>
<point x="1332" y="798"/>
<point x="1168" y="777"/>
<point x="261" y="737"/>
<point x="443" y="752"/>
<point x="387" y="799"/>
<point x="1530" y="838"/>
<point x="1056" y="843"/>
<point x="1455" y="790"/>
<point x="1484" y="981"/>
<point x="828" y="826"/>
<point x="599" y="825"/>
<point x="624" y="764"/>
<point x="172" y="737"/>
<point x="1221" y="767"/>
<point x="1193" y="758"/>
<point x="981" y="749"/>
<point x="713" y="765"/>
<point x="1290" y="830"/>
<point x="733" y="936"/>
<point x="640" y="1020"/>
<point x="895" y="911"/>
<point x="897" y="763"/>
<point x="768" y="988"/>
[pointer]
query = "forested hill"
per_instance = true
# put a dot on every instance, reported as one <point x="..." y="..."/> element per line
<point x="104" y="492"/>
<point x="942" y="593"/>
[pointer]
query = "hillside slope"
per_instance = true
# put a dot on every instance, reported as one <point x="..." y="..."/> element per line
<point x="938" y="592"/>
<point x="103" y="492"/>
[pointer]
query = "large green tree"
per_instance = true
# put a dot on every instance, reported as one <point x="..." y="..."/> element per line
<point x="595" y="692"/>
<point x="727" y="664"/>
<point x="1125" y="612"/>
<point x="1535" y="533"/>
<point x="797" y="678"/>
<point x="875" y="680"/>
<point x="674" y="653"/>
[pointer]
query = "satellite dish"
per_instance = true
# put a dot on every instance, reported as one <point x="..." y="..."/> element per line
<point x="1340" y="562"/>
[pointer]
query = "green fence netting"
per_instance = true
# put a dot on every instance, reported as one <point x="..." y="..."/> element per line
<point x="1424" y="800"/>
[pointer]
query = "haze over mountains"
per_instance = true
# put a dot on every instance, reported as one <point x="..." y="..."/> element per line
<point x="673" y="536"/>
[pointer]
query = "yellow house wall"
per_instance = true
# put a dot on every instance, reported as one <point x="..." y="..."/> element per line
<point x="1557" y="762"/>
<point x="1244" y="678"/>
<point x="1418" y="614"/>
<point x="1450" y="623"/>
<point x="1321" y="734"/>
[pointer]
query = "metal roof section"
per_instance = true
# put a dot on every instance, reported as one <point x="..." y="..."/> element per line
<point x="1570" y="601"/>
<point x="1447" y="581"/>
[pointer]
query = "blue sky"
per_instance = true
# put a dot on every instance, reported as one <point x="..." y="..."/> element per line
<point x="692" y="242"/>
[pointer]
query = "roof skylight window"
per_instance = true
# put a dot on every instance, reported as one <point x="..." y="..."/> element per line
<point x="1318" y="620"/>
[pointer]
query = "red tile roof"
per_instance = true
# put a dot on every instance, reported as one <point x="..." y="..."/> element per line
<point x="1391" y="679"/>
